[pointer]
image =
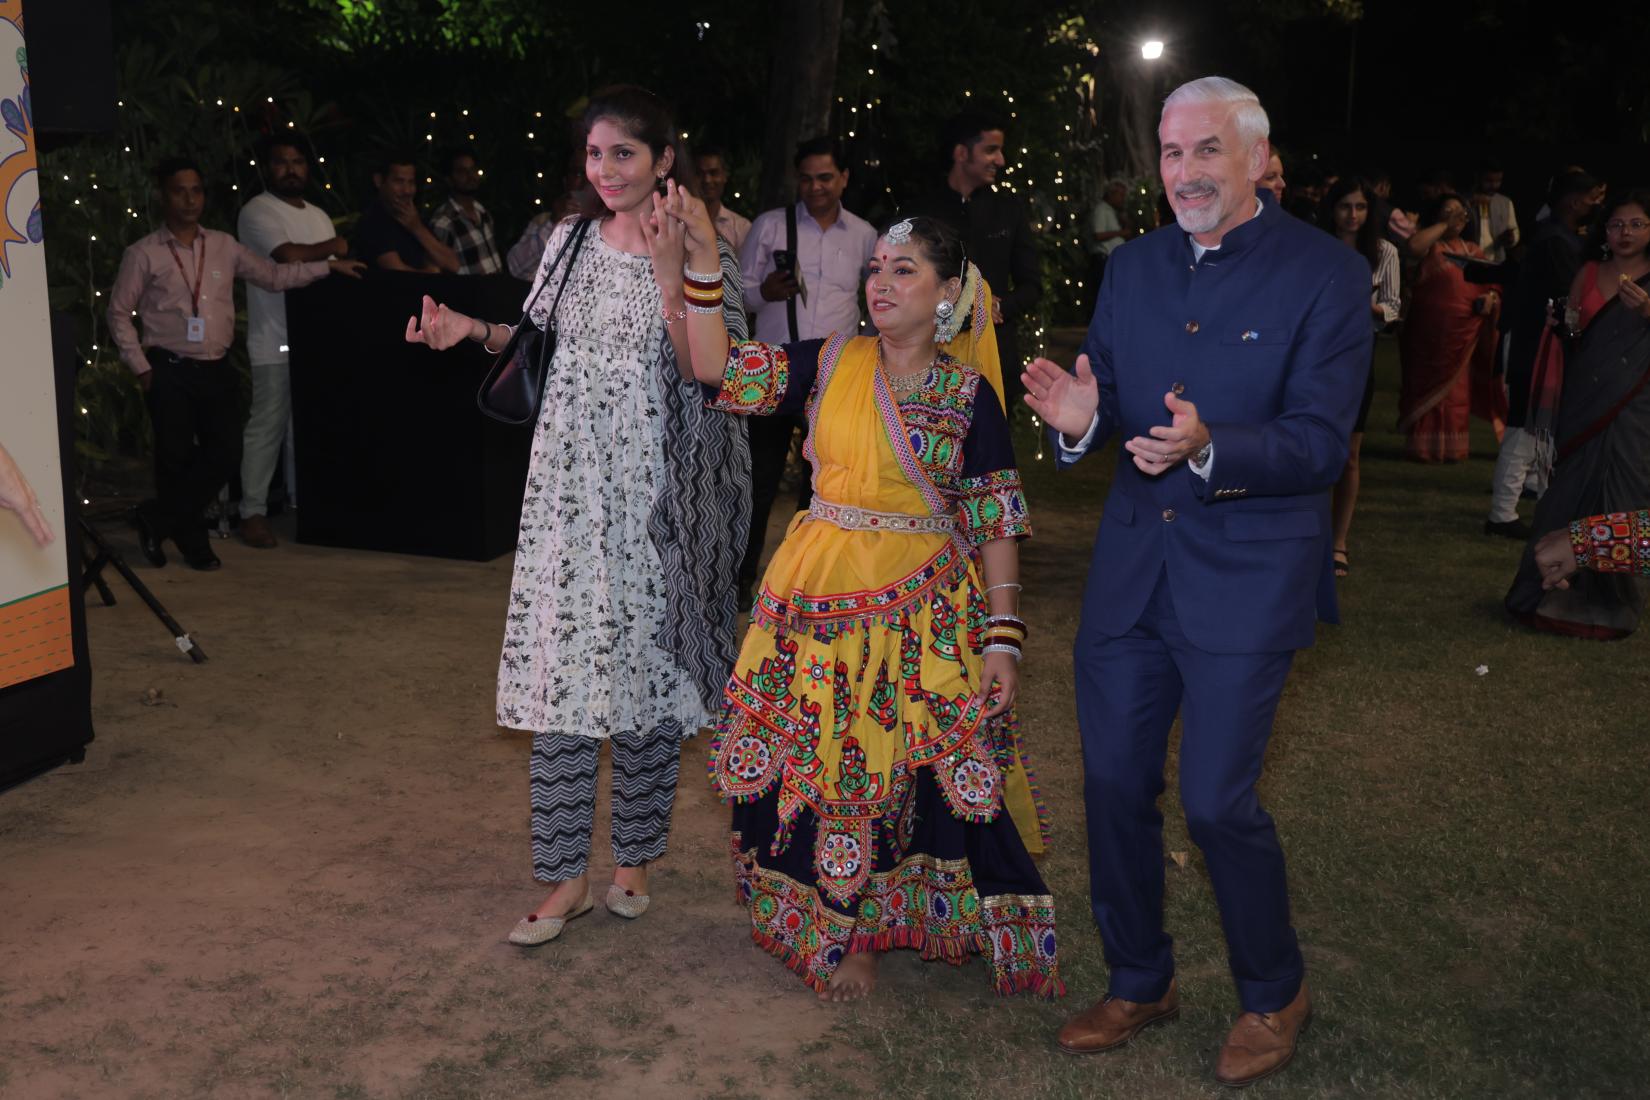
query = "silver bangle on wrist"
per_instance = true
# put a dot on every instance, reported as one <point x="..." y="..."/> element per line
<point x="1013" y="651"/>
<point x="509" y="331"/>
<point x="691" y="308"/>
<point x="1006" y="584"/>
<point x="700" y="276"/>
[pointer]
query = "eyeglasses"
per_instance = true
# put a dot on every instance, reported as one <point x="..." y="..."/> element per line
<point x="1637" y="225"/>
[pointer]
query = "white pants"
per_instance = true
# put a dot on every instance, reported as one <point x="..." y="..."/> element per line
<point x="1518" y="465"/>
<point x="267" y="425"/>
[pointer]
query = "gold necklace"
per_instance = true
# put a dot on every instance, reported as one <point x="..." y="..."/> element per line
<point x="908" y="383"/>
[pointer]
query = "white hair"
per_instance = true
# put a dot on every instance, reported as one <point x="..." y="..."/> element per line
<point x="1247" y="113"/>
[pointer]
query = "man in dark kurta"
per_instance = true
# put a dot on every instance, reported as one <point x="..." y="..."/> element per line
<point x="993" y="226"/>
<point x="1230" y="352"/>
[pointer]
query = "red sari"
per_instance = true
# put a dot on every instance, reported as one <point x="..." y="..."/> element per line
<point x="1448" y="357"/>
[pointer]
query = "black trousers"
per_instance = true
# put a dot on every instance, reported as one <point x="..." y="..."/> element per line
<point x="770" y="441"/>
<point x="194" y="407"/>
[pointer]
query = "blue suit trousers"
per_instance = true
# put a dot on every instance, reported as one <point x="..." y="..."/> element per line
<point x="1128" y="690"/>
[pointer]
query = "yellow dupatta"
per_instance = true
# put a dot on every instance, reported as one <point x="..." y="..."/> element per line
<point x="858" y="446"/>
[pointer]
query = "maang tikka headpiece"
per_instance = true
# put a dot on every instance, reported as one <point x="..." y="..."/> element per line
<point x="900" y="232"/>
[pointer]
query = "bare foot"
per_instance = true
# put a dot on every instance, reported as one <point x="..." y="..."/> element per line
<point x="855" y="977"/>
<point x="633" y="879"/>
<point x="564" y="898"/>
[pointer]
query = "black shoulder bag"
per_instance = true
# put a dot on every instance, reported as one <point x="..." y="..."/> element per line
<point x="514" y="388"/>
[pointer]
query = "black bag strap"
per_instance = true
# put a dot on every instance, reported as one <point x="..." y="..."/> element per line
<point x="790" y="245"/>
<point x="575" y="241"/>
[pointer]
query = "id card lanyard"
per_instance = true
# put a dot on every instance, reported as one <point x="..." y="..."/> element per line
<point x="197" y="325"/>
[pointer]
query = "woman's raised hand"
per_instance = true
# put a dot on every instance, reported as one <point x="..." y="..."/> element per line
<point x="1065" y="402"/>
<point x="666" y="242"/>
<point x="691" y="211"/>
<point x="438" y="327"/>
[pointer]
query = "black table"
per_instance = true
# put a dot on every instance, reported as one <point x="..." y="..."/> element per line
<point x="392" y="453"/>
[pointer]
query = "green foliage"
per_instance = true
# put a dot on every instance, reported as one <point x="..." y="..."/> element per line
<point x="356" y="76"/>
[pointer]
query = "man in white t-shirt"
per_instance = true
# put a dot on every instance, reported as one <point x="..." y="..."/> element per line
<point x="277" y="223"/>
<point x="1106" y="230"/>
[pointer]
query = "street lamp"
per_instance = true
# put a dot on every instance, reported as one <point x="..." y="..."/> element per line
<point x="1151" y="49"/>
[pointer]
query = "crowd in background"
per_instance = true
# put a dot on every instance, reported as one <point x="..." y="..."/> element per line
<point x="1484" y="310"/>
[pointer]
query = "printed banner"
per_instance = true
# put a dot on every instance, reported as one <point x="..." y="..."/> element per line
<point x="34" y="594"/>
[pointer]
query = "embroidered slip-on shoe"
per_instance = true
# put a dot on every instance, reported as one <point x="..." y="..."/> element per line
<point x="533" y="929"/>
<point x="624" y="903"/>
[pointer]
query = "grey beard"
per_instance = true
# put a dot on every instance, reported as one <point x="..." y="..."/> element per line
<point x="1199" y="221"/>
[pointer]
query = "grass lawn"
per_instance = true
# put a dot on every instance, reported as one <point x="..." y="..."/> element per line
<point x="1466" y="850"/>
<point x="289" y="872"/>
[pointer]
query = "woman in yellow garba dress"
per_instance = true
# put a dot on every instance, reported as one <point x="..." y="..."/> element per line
<point x="867" y="737"/>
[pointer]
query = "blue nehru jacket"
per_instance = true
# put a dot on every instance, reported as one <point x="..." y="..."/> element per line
<point x="1270" y="337"/>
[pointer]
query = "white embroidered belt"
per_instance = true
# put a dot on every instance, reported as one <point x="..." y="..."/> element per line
<point x="850" y="518"/>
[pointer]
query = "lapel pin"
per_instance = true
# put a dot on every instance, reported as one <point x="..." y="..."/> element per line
<point x="1250" y="336"/>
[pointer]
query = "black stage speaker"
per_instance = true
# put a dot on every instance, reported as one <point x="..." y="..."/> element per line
<point x="71" y="67"/>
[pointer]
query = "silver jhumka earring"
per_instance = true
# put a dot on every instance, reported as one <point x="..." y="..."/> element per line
<point x="945" y="322"/>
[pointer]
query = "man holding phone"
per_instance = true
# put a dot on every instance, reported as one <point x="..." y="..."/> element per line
<point x="803" y="266"/>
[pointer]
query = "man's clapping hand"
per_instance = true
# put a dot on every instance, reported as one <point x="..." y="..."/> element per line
<point x="1166" y="446"/>
<point x="1066" y="402"/>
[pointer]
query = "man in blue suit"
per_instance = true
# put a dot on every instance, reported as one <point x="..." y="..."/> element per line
<point x="1229" y="352"/>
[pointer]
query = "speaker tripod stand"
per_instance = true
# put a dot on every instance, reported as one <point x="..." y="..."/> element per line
<point x="98" y="554"/>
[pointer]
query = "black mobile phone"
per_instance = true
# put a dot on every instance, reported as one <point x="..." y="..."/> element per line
<point x="784" y="259"/>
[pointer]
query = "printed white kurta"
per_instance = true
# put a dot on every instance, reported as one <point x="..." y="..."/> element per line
<point x="580" y="650"/>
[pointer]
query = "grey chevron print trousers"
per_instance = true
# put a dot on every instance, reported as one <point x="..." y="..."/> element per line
<point x="564" y="798"/>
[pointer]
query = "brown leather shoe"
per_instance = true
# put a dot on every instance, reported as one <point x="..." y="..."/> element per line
<point x="1261" y="1043"/>
<point x="1111" y="1022"/>
<point x="255" y="532"/>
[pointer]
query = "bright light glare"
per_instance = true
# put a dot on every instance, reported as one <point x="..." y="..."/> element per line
<point x="1151" y="50"/>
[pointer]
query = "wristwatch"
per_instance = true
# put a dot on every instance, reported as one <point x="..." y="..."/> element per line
<point x="1202" y="456"/>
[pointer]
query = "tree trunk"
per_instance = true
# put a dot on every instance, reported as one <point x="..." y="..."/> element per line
<point x="801" y="87"/>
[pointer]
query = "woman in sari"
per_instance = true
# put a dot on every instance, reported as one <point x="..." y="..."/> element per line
<point x="1448" y="344"/>
<point x="867" y="737"/>
<point x="1602" y="430"/>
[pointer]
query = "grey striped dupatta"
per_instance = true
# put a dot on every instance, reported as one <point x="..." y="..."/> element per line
<point x="700" y="519"/>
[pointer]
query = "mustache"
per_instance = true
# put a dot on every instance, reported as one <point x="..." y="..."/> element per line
<point x="1194" y="188"/>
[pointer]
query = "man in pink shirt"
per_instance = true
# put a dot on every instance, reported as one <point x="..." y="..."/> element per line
<point x="179" y="283"/>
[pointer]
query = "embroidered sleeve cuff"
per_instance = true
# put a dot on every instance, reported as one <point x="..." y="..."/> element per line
<point x="755" y="379"/>
<point x="1618" y="542"/>
<point x="994" y="507"/>
<point x="1078" y="449"/>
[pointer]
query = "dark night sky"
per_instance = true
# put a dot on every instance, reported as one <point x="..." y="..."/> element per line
<point x="1434" y="85"/>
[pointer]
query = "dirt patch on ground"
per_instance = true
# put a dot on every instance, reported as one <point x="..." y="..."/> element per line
<point x="291" y="872"/>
